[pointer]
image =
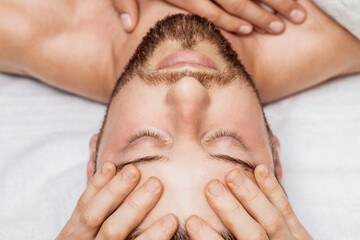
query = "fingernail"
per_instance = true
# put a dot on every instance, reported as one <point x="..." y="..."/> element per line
<point x="276" y="26"/>
<point x="264" y="172"/>
<point x="236" y="178"/>
<point x="128" y="173"/>
<point x="297" y="15"/>
<point x="215" y="188"/>
<point x="194" y="224"/>
<point x="168" y="222"/>
<point x="266" y="7"/>
<point x="126" y="20"/>
<point x="105" y="168"/>
<point x="245" y="29"/>
<point x="151" y="186"/>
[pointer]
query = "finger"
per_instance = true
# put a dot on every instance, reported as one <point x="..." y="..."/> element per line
<point x="129" y="13"/>
<point x="132" y="211"/>
<point x="106" y="201"/>
<point x="270" y="186"/>
<point x="256" y="203"/>
<point x="265" y="7"/>
<point x="198" y="229"/>
<point x="253" y="13"/>
<point x="97" y="182"/>
<point x="216" y="15"/>
<point x="163" y="229"/>
<point x="232" y="213"/>
<point x="289" y="9"/>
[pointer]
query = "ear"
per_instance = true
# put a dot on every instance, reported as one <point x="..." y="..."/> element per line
<point x="278" y="167"/>
<point x="91" y="163"/>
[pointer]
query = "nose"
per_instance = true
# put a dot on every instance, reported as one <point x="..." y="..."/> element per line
<point x="188" y="100"/>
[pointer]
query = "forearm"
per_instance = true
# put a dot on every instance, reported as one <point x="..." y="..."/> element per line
<point x="313" y="69"/>
<point x="303" y="56"/>
<point x="12" y="70"/>
<point x="64" y="45"/>
<point x="15" y="31"/>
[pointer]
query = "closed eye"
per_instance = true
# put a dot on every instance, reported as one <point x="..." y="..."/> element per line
<point x="145" y="133"/>
<point x="224" y="133"/>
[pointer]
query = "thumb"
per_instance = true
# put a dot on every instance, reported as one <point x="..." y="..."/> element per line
<point x="129" y="13"/>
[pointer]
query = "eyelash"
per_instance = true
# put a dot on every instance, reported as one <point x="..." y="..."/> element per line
<point x="145" y="133"/>
<point x="223" y="133"/>
<point x="217" y="134"/>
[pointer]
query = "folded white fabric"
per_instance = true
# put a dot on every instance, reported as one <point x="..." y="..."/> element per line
<point x="346" y="12"/>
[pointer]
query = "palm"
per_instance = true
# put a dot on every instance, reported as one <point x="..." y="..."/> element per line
<point x="301" y="54"/>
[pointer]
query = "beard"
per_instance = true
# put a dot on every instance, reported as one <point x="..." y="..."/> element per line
<point x="188" y="30"/>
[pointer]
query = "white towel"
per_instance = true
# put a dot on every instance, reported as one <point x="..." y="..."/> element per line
<point x="44" y="136"/>
<point x="346" y="12"/>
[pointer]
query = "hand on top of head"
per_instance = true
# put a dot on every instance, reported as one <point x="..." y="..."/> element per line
<point x="252" y="209"/>
<point x="236" y="16"/>
<point x="110" y="208"/>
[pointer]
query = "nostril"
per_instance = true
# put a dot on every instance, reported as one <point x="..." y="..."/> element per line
<point x="189" y="91"/>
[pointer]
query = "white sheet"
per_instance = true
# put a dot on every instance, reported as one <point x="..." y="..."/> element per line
<point x="44" y="137"/>
<point x="346" y="12"/>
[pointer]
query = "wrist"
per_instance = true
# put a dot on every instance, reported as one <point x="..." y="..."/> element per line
<point x="352" y="65"/>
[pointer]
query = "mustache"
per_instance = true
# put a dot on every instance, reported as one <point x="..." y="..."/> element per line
<point x="207" y="78"/>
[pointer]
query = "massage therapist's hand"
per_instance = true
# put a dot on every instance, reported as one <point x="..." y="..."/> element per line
<point x="104" y="212"/>
<point x="249" y="211"/>
<point x="237" y="16"/>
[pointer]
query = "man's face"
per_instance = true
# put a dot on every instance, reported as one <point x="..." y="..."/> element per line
<point x="185" y="116"/>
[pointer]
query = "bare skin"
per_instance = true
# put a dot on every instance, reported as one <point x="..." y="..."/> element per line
<point x="79" y="47"/>
<point x="236" y="16"/>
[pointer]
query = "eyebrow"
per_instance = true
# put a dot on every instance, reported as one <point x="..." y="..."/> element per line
<point x="154" y="158"/>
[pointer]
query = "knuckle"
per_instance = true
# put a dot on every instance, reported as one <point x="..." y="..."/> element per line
<point x="273" y="188"/>
<point x="235" y="208"/>
<point x="147" y="236"/>
<point x="109" y="231"/>
<point x="276" y="225"/>
<point x="88" y="218"/>
<point x="111" y="189"/>
<point x="95" y="184"/>
<point x="133" y="204"/>
<point x="237" y="5"/>
<point x="213" y="16"/>
<point x="252" y="196"/>
<point x="287" y="210"/>
<point x="81" y="203"/>
<point x="259" y="234"/>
